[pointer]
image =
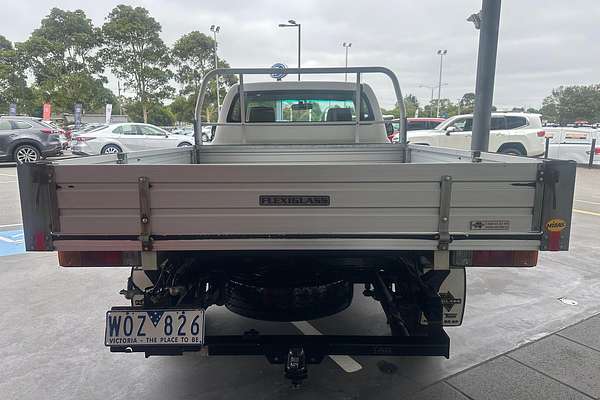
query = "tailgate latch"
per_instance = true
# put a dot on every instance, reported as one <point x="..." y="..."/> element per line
<point x="444" y="238"/>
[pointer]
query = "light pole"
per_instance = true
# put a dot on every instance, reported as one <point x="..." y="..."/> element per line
<point x="215" y="29"/>
<point x="291" y="23"/>
<point x="432" y="87"/>
<point x="441" y="53"/>
<point x="346" y="46"/>
<point x="488" y="22"/>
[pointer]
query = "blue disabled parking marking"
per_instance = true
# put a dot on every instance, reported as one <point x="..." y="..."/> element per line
<point x="12" y="242"/>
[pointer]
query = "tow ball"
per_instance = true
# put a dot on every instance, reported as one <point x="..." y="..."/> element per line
<point x="295" y="366"/>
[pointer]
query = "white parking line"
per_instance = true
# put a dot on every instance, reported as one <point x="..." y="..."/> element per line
<point x="588" y="202"/>
<point x="10" y="225"/>
<point x="586" y="212"/>
<point x="11" y="175"/>
<point x="8" y="182"/>
<point x="346" y="363"/>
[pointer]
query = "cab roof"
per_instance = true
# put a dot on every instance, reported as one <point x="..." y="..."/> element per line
<point x="295" y="85"/>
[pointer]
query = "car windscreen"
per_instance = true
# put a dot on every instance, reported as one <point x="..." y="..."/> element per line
<point x="300" y="106"/>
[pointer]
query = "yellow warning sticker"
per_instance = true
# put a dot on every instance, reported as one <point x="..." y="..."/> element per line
<point x="556" y="225"/>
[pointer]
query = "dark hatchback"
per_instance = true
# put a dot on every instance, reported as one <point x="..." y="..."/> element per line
<point x="25" y="140"/>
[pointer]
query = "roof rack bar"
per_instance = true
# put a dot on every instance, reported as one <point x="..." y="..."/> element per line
<point x="292" y="71"/>
<point x="242" y="106"/>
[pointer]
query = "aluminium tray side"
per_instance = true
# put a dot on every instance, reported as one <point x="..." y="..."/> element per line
<point x="394" y="204"/>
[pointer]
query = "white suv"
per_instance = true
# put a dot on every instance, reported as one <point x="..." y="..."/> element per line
<point x="518" y="134"/>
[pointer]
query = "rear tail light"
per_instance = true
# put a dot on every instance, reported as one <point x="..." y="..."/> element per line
<point x="597" y="151"/>
<point x="495" y="258"/>
<point x="46" y="130"/>
<point x="98" y="258"/>
<point x="83" y="138"/>
<point x="541" y="133"/>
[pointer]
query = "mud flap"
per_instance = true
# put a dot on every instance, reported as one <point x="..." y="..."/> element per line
<point x="453" y="295"/>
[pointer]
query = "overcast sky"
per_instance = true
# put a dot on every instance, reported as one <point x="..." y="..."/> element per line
<point x="543" y="43"/>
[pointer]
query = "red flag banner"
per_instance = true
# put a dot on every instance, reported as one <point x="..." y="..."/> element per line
<point x="47" y="112"/>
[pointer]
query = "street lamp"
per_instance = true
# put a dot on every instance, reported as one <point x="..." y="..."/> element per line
<point x="346" y="46"/>
<point x="431" y="87"/>
<point x="441" y="53"/>
<point x="215" y="29"/>
<point x="291" y="24"/>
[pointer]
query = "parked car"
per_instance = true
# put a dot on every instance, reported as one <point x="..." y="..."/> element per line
<point x="519" y="134"/>
<point x="573" y="144"/>
<point x="26" y="139"/>
<point x="125" y="137"/>
<point x="86" y="128"/>
<point x="421" y="124"/>
<point x="416" y="124"/>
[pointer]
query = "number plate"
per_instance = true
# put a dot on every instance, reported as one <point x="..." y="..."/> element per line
<point x="154" y="327"/>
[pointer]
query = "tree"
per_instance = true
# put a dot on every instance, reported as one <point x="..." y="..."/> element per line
<point x="411" y="104"/>
<point x="549" y="109"/>
<point x="157" y="113"/>
<point x="82" y="88"/>
<point x="193" y="57"/>
<point x="467" y="103"/>
<point x="62" y="55"/>
<point x="5" y="44"/>
<point x="447" y="108"/>
<point x="183" y="108"/>
<point x="66" y="42"/>
<point x="572" y="103"/>
<point x="136" y="53"/>
<point x="13" y="84"/>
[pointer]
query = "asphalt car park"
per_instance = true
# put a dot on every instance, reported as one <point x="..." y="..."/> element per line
<point x="52" y="331"/>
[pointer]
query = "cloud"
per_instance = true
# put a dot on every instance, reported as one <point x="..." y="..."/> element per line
<point x="543" y="44"/>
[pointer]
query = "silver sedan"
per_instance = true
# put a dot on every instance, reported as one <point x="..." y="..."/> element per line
<point x="126" y="137"/>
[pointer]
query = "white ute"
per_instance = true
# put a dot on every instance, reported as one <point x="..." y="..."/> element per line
<point x="519" y="134"/>
<point x="302" y="105"/>
<point x="298" y="204"/>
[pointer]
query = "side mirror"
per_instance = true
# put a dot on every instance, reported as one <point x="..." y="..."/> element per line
<point x="451" y="129"/>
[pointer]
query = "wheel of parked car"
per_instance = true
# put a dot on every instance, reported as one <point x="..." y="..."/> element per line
<point x="111" y="149"/>
<point x="184" y="144"/>
<point x="26" y="153"/>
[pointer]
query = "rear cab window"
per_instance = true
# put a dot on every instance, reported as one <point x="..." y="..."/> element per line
<point x="300" y="106"/>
